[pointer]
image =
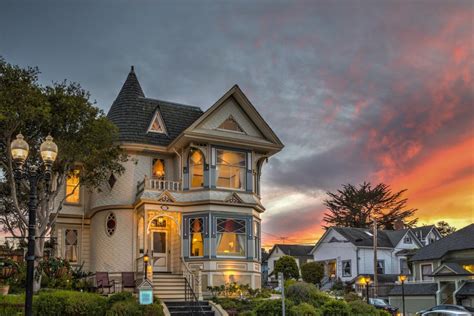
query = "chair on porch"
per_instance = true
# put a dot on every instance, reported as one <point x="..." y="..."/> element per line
<point x="103" y="282"/>
<point x="128" y="281"/>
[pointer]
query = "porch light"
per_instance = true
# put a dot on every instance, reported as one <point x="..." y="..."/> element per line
<point x="146" y="258"/>
<point x="160" y="220"/>
<point x="402" y="278"/>
<point x="49" y="151"/>
<point x="19" y="150"/>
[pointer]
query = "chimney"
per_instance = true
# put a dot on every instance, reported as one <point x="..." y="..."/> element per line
<point x="398" y="225"/>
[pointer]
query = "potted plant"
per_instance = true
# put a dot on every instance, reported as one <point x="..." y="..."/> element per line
<point x="7" y="268"/>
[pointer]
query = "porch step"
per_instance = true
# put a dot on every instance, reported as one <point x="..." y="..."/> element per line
<point x="169" y="287"/>
<point x="187" y="308"/>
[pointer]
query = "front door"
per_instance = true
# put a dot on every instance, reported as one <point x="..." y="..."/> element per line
<point x="160" y="250"/>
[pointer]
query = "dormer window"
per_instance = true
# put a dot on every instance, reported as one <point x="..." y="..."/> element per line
<point x="158" y="168"/>
<point x="157" y="125"/>
<point x="196" y="168"/>
<point x="231" y="124"/>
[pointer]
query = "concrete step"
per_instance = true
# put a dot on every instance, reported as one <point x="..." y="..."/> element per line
<point x="188" y="308"/>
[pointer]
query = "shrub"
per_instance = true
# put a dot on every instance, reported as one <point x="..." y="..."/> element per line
<point x="351" y="296"/>
<point x="303" y="292"/>
<point x="287" y="265"/>
<point x="117" y="297"/>
<point x="129" y="308"/>
<point x="272" y="307"/>
<point x="312" y="272"/>
<point x="11" y="305"/>
<point x="361" y="308"/>
<point x="336" y="308"/>
<point x="304" y="309"/>
<point x="248" y="313"/>
<point x="237" y="305"/>
<point x="154" y="309"/>
<point x="69" y="303"/>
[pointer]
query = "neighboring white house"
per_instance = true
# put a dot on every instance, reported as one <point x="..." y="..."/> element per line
<point x="189" y="197"/>
<point x="347" y="252"/>
<point x="301" y="253"/>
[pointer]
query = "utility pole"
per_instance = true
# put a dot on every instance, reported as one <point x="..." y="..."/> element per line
<point x="375" y="257"/>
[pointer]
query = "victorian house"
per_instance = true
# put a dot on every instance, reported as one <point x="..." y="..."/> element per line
<point x="189" y="197"/>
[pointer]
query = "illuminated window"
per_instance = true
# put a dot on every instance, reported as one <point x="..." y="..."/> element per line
<point x="72" y="187"/>
<point x="157" y="125"/>
<point x="196" y="169"/>
<point x="469" y="267"/>
<point x="231" y="237"/>
<point x="231" y="125"/>
<point x="230" y="169"/>
<point x="70" y="253"/>
<point x="158" y="168"/>
<point x="196" y="234"/>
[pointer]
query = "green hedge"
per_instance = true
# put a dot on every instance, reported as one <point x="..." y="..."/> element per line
<point x="63" y="302"/>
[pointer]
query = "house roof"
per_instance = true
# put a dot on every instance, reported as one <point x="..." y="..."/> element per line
<point x="294" y="250"/>
<point x="453" y="268"/>
<point x="467" y="289"/>
<point x="459" y="240"/>
<point x="132" y="113"/>
<point x="415" y="289"/>
<point x="423" y="230"/>
<point x="360" y="237"/>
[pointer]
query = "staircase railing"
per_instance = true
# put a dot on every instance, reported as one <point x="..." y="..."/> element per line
<point x="190" y="297"/>
<point x="192" y="285"/>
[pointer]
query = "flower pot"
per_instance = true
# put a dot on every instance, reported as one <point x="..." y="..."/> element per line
<point x="4" y="289"/>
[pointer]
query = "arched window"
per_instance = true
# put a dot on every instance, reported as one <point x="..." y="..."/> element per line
<point x="158" y="168"/>
<point x="196" y="168"/>
<point x="110" y="224"/>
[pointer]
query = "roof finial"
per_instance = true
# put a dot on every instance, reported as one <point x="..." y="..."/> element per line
<point x="132" y="68"/>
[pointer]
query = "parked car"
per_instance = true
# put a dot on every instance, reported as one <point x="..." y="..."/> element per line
<point x="382" y="304"/>
<point x="446" y="312"/>
<point x="443" y="309"/>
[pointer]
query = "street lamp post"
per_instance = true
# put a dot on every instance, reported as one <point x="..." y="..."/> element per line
<point x="402" y="278"/>
<point x="33" y="174"/>
<point x="366" y="281"/>
<point x="145" y="260"/>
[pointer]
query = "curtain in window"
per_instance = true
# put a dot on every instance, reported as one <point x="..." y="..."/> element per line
<point x="71" y="245"/>
<point x="196" y="169"/>
<point x="196" y="235"/>
<point x="231" y="237"/>
<point x="230" y="169"/>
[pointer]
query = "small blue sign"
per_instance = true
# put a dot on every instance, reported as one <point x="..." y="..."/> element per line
<point x="145" y="296"/>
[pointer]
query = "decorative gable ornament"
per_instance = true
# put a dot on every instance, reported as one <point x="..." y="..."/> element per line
<point x="166" y="198"/>
<point x="234" y="199"/>
<point x="157" y="125"/>
<point x="230" y="124"/>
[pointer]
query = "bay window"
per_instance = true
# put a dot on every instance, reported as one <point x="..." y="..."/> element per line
<point x="230" y="169"/>
<point x="256" y="236"/>
<point x="231" y="237"/>
<point x="196" y="227"/>
<point x="196" y="169"/>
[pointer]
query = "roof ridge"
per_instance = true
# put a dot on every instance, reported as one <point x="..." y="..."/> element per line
<point x="172" y="103"/>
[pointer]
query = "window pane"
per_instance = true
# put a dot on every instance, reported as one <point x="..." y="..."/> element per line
<point x="426" y="272"/>
<point x="231" y="226"/>
<point x="72" y="187"/>
<point x="197" y="245"/>
<point x="346" y="268"/>
<point x="231" y="244"/>
<point x="158" y="168"/>
<point x="71" y="245"/>
<point x="230" y="169"/>
<point x="196" y="169"/>
<point x="159" y="242"/>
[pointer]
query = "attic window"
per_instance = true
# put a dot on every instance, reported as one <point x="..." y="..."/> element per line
<point x="231" y="125"/>
<point x="157" y="125"/>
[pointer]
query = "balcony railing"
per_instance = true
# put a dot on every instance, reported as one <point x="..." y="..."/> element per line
<point x="158" y="185"/>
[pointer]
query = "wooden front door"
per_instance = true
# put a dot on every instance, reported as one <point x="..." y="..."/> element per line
<point x="160" y="250"/>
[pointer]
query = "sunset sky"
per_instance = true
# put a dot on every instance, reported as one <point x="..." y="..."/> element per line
<point x="378" y="91"/>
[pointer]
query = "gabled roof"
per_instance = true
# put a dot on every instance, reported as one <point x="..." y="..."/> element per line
<point x="293" y="250"/>
<point x="360" y="237"/>
<point x="467" y="289"/>
<point x="415" y="289"/>
<point x="132" y="113"/>
<point x="423" y="230"/>
<point x="450" y="268"/>
<point x="462" y="239"/>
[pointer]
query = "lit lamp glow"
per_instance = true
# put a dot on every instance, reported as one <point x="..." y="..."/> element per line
<point x="19" y="150"/>
<point x="49" y="151"/>
<point x="402" y="278"/>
